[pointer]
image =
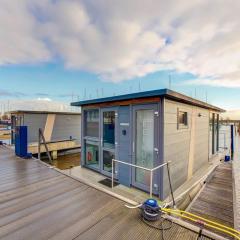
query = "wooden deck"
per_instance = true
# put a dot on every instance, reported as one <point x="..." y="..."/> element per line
<point x="37" y="202"/>
<point x="215" y="201"/>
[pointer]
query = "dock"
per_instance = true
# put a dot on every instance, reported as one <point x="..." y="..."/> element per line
<point x="39" y="202"/>
<point x="54" y="146"/>
<point x="215" y="201"/>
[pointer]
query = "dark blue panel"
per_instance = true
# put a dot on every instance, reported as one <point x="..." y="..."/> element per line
<point x="21" y="141"/>
<point x="124" y="149"/>
<point x="232" y="141"/>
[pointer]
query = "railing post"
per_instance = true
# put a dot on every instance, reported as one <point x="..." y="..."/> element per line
<point x="45" y="144"/>
<point x="151" y="181"/>
<point x="170" y="185"/>
<point x="112" y="172"/>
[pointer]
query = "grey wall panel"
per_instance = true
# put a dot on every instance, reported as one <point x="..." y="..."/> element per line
<point x="66" y="126"/>
<point x="201" y="139"/>
<point x="124" y="144"/>
<point x="34" y="122"/>
<point x="177" y="142"/>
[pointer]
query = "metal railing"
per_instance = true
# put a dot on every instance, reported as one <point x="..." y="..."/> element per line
<point x="151" y="170"/>
<point x="40" y="139"/>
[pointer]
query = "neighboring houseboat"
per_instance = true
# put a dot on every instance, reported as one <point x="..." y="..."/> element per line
<point x="148" y="129"/>
<point x="60" y="129"/>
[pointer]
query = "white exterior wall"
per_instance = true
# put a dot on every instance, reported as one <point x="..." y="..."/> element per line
<point x="186" y="148"/>
<point x="34" y="122"/>
<point x="64" y="126"/>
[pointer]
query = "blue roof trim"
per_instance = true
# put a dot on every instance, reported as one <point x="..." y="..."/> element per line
<point x="154" y="93"/>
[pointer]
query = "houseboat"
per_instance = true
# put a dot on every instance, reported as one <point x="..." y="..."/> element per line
<point x="148" y="129"/>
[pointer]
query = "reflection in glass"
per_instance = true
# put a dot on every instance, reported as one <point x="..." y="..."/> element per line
<point x="144" y="144"/>
<point x="109" y="129"/>
<point x="92" y="156"/>
<point x="107" y="161"/>
<point x="92" y="122"/>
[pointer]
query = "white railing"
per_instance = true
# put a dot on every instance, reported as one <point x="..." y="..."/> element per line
<point x="151" y="170"/>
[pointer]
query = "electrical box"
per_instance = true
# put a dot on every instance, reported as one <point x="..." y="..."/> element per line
<point x="21" y="145"/>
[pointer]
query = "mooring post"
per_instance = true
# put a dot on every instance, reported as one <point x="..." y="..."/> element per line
<point x="170" y="184"/>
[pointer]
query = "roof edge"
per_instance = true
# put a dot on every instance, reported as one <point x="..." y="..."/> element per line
<point x="170" y="94"/>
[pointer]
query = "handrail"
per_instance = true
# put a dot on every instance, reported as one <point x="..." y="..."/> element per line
<point x="41" y="136"/>
<point x="151" y="170"/>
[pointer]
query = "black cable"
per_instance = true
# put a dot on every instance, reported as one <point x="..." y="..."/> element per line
<point x="161" y="228"/>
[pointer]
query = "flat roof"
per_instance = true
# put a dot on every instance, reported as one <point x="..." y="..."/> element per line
<point x="167" y="93"/>
<point x="42" y="112"/>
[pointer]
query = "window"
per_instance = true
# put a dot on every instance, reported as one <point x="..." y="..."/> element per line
<point x="109" y="129"/>
<point x="92" y="122"/>
<point x="92" y="155"/>
<point x="214" y="133"/>
<point x="182" y="119"/>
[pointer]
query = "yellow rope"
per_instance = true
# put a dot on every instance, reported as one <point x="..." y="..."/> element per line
<point x="178" y="213"/>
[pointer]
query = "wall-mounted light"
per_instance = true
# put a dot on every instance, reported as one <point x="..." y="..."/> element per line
<point x="199" y="114"/>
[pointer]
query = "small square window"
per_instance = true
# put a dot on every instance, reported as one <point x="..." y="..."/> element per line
<point x="182" y="119"/>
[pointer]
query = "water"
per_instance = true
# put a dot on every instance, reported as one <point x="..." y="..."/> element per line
<point x="5" y="138"/>
<point x="66" y="161"/>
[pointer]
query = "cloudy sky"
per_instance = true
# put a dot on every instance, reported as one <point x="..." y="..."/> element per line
<point x="61" y="50"/>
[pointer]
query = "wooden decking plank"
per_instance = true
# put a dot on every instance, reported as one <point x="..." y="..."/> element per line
<point x="97" y="215"/>
<point x="24" y="182"/>
<point x="40" y="221"/>
<point x="18" y="192"/>
<point x="215" y="202"/>
<point x="40" y="203"/>
<point x="23" y="226"/>
<point x="35" y="197"/>
<point x="24" y="212"/>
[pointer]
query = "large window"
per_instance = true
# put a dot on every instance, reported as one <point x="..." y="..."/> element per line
<point x="92" y="122"/>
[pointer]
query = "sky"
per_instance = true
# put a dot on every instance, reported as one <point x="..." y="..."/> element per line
<point x="68" y="50"/>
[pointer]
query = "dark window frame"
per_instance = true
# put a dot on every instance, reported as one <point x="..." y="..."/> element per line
<point x="184" y="123"/>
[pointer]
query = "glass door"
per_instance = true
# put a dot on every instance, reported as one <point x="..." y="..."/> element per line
<point x="108" y="139"/>
<point x="144" y="143"/>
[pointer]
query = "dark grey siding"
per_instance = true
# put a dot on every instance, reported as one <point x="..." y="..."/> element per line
<point x="34" y="122"/>
<point x="124" y="144"/>
<point x="66" y="126"/>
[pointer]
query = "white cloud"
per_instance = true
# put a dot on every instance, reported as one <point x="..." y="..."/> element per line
<point x="45" y="99"/>
<point x="119" y="40"/>
<point x="36" y="105"/>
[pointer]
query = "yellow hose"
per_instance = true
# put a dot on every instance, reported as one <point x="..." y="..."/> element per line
<point x="178" y="213"/>
<point x="206" y="220"/>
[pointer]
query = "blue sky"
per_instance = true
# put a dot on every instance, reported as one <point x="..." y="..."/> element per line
<point x="55" y="82"/>
<point x="117" y="47"/>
